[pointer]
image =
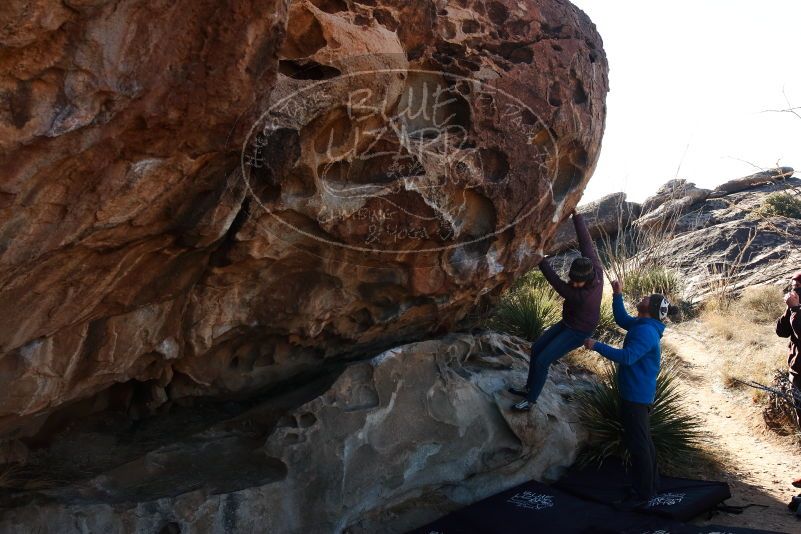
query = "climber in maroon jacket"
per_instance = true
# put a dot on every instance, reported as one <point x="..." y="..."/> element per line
<point x="581" y="313"/>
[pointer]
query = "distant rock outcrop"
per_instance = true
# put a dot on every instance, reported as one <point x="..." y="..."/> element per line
<point x="707" y="235"/>
<point x="723" y="237"/>
<point x="672" y="205"/>
<point x="671" y="190"/>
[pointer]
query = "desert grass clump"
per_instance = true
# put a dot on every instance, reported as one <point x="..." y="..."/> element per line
<point x="677" y="433"/>
<point x="653" y="279"/>
<point x="743" y="332"/>
<point x="763" y="304"/>
<point x="532" y="280"/>
<point x="783" y="204"/>
<point x="528" y="308"/>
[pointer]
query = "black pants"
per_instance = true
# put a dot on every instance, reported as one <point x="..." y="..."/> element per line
<point x="795" y="380"/>
<point x="637" y="435"/>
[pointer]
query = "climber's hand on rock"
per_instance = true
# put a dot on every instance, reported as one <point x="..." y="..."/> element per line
<point x="589" y="343"/>
<point x="617" y="289"/>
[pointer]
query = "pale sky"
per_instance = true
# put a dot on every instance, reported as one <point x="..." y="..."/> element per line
<point x="689" y="81"/>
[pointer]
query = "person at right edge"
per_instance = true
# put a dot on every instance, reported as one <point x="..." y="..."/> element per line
<point x="638" y="366"/>
<point x="789" y="325"/>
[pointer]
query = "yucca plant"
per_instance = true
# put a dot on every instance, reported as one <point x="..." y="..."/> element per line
<point x="677" y="434"/>
<point x="527" y="313"/>
<point x="646" y="280"/>
<point x="532" y="280"/>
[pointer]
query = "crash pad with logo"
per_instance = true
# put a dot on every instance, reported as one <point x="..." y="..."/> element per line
<point x="678" y="498"/>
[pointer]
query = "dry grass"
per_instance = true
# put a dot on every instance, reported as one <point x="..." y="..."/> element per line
<point x="747" y="348"/>
<point x="744" y="337"/>
<point x="723" y="277"/>
<point x="583" y="360"/>
<point x="653" y="279"/>
<point x="763" y="303"/>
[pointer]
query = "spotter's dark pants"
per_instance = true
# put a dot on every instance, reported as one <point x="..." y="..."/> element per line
<point x="637" y="435"/>
<point x="795" y="380"/>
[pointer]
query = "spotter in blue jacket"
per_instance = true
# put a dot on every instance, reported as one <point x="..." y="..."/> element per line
<point x="640" y="356"/>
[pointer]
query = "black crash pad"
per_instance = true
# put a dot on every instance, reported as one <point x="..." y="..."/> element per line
<point x="582" y="502"/>
<point x="536" y="508"/>
<point x="680" y="499"/>
<point x="679" y="528"/>
<point x="717" y="529"/>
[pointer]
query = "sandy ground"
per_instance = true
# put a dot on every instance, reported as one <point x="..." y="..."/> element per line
<point x="757" y="464"/>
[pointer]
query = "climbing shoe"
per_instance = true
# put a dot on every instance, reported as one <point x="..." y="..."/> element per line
<point x="520" y="392"/>
<point x="522" y="406"/>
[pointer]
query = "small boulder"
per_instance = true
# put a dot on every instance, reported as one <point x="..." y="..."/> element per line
<point x="671" y="190"/>
<point x="671" y="209"/>
<point x="747" y="182"/>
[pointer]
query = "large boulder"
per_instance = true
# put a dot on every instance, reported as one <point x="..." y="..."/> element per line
<point x="206" y="198"/>
<point x="604" y="217"/>
<point x="393" y="443"/>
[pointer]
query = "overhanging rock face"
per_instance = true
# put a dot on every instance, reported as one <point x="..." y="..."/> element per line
<point x="202" y="197"/>
<point x="393" y="443"/>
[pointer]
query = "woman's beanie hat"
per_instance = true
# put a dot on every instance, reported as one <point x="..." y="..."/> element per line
<point x="658" y="306"/>
<point x="581" y="270"/>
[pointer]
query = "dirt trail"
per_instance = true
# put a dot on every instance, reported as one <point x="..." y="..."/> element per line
<point x="758" y="464"/>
